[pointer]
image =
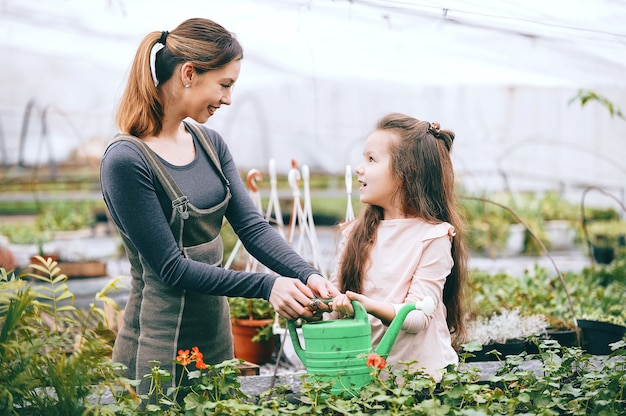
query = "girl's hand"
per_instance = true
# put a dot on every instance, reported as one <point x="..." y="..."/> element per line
<point x="382" y="310"/>
<point x="342" y="304"/>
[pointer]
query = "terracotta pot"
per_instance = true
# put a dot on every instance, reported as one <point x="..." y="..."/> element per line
<point x="34" y="260"/>
<point x="243" y="332"/>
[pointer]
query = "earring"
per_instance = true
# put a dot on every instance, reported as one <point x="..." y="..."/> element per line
<point x="187" y="86"/>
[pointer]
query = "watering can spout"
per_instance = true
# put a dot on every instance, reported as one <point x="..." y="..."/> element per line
<point x="427" y="305"/>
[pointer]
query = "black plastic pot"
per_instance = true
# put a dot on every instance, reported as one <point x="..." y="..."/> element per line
<point x="565" y="337"/>
<point x="597" y="335"/>
<point x="511" y="347"/>
<point x="603" y="254"/>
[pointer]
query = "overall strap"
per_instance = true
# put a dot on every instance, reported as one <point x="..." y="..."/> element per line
<point x="206" y="143"/>
<point x="179" y="201"/>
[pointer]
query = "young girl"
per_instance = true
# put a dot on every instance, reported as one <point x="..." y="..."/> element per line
<point x="407" y="244"/>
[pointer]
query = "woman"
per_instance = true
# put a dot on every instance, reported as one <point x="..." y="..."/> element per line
<point x="168" y="184"/>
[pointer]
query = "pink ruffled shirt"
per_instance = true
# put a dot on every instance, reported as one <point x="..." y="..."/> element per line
<point x="410" y="260"/>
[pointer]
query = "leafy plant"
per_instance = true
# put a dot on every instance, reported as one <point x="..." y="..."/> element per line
<point x="586" y="96"/>
<point x="202" y="389"/>
<point x="53" y="361"/>
<point x="255" y="309"/>
<point x="606" y="233"/>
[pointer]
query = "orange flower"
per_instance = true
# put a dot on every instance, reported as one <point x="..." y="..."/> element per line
<point x="376" y="361"/>
<point x="196" y="354"/>
<point x="198" y="357"/>
<point x="200" y="365"/>
<point x="183" y="357"/>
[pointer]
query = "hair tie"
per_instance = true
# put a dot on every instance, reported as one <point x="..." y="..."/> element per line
<point x="433" y="128"/>
<point x="160" y="44"/>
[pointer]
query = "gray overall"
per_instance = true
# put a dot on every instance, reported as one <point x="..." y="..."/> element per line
<point x="158" y="319"/>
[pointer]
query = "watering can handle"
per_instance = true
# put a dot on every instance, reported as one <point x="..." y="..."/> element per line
<point x="295" y="340"/>
<point x="427" y="305"/>
<point x="359" y="310"/>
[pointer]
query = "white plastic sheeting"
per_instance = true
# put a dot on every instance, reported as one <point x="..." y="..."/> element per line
<point x="317" y="74"/>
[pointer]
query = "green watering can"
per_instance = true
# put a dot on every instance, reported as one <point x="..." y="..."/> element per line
<point x="336" y="350"/>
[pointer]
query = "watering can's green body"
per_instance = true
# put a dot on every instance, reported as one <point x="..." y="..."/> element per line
<point x="337" y="350"/>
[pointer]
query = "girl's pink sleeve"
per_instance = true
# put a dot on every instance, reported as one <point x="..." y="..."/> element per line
<point x="429" y="278"/>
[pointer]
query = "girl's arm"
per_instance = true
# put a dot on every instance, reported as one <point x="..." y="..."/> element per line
<point x="429" y="279"/>
<point x="384" y="311"/>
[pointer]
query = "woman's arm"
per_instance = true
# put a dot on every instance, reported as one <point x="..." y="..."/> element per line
<point x="129" y="189"/>
<point x="256" y="234"/>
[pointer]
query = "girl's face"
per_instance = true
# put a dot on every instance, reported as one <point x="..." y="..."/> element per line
<point x="210" y="90"/>
<point x="378" y="185"/>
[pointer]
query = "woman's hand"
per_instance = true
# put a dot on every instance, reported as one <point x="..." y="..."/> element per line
<point x="322" y="287"/>
<point x="291" y="298"/>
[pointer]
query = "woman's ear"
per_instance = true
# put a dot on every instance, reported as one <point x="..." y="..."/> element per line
<point x="187" y="73"/>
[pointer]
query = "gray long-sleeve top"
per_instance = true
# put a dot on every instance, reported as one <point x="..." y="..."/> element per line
<point x="141" y="208"/>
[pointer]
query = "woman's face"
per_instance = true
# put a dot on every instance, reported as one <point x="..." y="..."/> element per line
<point x="378" y="185"/>
<point x="208" y="91"/>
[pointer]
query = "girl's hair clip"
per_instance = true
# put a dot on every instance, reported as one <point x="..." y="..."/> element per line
<point x="433" y="128"/>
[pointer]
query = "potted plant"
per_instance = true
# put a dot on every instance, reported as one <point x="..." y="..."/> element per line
<point x="507" y="332"/>
<point x="561" y="330"/>
<point x="599" y="329"/>
<point x="252" y="322"/>
<point x="605" y="238"/>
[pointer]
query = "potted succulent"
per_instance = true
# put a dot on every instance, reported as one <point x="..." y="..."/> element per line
<point x="252" y="324"/>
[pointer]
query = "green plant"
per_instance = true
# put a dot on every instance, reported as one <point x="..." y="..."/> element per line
<point x="586" y="96"/>
<point x="606" y="233"/>
<point x="250" y="308"/>
<point x="256" y="309"/>
<point x="43" y="370"/>
<point x="204" y="389"/>
<point x="53" y="359"/>
<point x="488" y="225"/>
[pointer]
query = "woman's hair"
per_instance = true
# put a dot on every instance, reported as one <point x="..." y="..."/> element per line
<point x="202" y="42"/>
<point x="420" y="160"/>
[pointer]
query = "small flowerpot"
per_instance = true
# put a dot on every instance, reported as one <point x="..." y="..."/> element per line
<point x="515" y="241"/>
<point x="603" y="254"/>
<point x="560" y="234"/>
<point x="246" y="349"/>
<point x="597" y="335"/>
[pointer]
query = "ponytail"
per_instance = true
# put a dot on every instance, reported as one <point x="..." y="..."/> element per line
<point x="141" y="110"/>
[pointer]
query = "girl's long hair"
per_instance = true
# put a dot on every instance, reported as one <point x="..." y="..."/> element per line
<point x="202" y="42"/>
<point x="420" y="160"/>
